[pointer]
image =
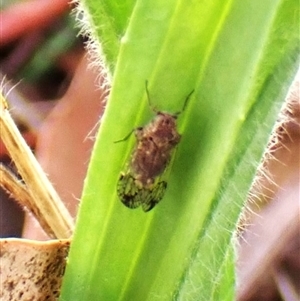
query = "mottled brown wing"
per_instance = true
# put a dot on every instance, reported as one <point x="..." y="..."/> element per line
<point x="154" y="196"/>
<point x="133" y="195"/>
<point x="128" y="192"/>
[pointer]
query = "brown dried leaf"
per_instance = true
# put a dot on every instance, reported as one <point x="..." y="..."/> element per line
<point x="32" y="270"/>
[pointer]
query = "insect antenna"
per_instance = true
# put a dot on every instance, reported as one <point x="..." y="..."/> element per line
<point x="126" y="137"/>
<point x="185" y="104"/>
<point x="148" y="97"/>
<point x="156" y="111"/>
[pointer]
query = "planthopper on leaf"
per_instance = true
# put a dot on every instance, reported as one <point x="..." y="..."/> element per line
<point x="142" y="184"/>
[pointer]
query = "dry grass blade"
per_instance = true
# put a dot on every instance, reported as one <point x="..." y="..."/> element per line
<point x="17" y="190"/>
<point x="44" y="197"/>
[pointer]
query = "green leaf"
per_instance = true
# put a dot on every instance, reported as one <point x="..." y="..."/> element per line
<point x="52" y="48"/>
<point x="106" y="22"/>
<point x="240" y="57"/>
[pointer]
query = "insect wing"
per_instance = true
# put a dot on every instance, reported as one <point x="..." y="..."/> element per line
<point x="154" y="195"/>
<point x="133" y="195"/>
<point x="128" y="191"/>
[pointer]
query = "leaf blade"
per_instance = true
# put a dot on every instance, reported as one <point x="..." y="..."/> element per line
<point x="154" y="256"/>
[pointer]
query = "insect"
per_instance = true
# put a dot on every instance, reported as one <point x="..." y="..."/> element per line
<point x="141" y="184"/>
